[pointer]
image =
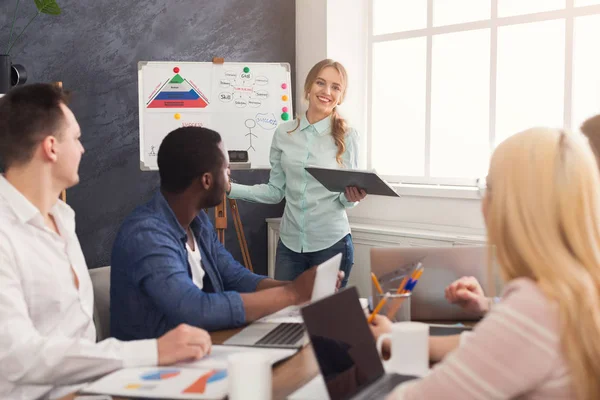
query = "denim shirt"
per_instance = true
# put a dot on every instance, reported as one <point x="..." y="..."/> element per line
<point x="151" y="283"/>
<point x="314" y="218"/>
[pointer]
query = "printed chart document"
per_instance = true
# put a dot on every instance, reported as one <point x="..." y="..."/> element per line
<point x="217" y="359"/>
<point x="163" y="383"/>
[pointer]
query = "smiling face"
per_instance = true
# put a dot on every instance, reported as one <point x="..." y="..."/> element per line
<point x="325" y="87"/>
<point x="326" y="92"/>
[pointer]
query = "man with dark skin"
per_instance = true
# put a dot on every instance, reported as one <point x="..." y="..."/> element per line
<point x="167" y="263"/>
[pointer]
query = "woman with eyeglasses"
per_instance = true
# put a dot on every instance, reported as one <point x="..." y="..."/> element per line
<point x="542" y="215"/>
<point x="466" y="292"/>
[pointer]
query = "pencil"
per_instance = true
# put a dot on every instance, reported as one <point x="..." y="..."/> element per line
<point x="418" y="275"/>
<point x="402" y="285"/>
<point x="376" y="283"/>
<point x="401" y="290"/>
<point x="397" y="304"/>
<point x="377" y="309"/>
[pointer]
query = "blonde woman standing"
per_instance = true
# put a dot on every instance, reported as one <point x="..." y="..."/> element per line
<point x="314" y="226"/>
<point x="541" y="209"/>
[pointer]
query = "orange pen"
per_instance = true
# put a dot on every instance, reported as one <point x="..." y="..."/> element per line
<point x="376" y="283"/>
<point x="377" y="309"/>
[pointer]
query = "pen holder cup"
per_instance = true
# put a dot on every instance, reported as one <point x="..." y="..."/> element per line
<point x="397" y="307"/>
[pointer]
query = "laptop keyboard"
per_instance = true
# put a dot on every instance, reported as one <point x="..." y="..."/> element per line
<point x="379" y="392"/>
<point x="384" y="386"/>
<point x="284" y="334"/>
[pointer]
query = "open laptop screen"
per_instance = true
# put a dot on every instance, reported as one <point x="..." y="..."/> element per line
<point x="343" y="343"/>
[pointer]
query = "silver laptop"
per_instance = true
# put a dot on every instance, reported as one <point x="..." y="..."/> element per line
<point x="285" y="328"/>
<point x="345" y="349"/>
<point x="442" y="266"/>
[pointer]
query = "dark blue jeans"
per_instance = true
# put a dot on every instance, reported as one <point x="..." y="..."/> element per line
<point x="289" y="264"/>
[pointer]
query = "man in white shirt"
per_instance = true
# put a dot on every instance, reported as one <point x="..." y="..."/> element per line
<point x="47" y="334"/>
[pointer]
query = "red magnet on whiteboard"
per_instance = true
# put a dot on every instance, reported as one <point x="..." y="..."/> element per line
<point x="284" y="85"/>
<point x="284" y="109"/>
<point x="176" y="70"/>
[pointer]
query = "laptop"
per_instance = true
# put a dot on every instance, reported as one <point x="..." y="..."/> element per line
<point x="345" y="349"/>
<point x="285" y="329"/>
<point x="442" y="266"/>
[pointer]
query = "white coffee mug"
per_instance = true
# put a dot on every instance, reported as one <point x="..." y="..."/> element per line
<point x="409" y="348"/>
<point x="250" y="376"/>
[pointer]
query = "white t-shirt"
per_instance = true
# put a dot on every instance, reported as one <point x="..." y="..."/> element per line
<point x="195" y="260"/>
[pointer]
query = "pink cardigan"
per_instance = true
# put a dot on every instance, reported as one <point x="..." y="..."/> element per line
<point x="514" y="352"/>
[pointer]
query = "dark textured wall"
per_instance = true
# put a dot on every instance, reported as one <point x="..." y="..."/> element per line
<point x="94" y="47"/>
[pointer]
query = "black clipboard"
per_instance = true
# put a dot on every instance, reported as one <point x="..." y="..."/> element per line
<point x="336" y="180"/>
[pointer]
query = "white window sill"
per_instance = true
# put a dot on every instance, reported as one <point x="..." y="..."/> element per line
<point x="443" y="191"/>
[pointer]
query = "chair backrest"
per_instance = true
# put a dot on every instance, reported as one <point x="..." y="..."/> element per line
<point x="101" y="283"/>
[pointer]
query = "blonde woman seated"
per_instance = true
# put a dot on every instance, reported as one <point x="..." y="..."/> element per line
<point x="466" y="292"/>
<point x="542" y="340"/>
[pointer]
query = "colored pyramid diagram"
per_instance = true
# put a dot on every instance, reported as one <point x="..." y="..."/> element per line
<point x="178" y="93"/>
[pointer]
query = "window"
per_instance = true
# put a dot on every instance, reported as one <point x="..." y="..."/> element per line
<point x="450" y="79"/>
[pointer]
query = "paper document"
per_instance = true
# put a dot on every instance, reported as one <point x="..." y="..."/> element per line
<point x="326" y="278"/>
<point x="217" y="359"/>
<point x="163" y="383"/>
<point x="455" y="325"/>
<point x="325" y="282"/>
<point x="447" y="329"/>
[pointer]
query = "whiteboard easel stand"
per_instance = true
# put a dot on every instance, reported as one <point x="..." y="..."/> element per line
<point x="221" y="216"/>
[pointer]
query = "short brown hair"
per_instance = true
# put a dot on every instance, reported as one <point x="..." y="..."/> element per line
<point x="28" y="114"/>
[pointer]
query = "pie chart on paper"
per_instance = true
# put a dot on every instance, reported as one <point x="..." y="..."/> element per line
<point x="160" y="375"/>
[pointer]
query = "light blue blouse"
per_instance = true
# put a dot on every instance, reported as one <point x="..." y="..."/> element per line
<point x="314" y="218"/>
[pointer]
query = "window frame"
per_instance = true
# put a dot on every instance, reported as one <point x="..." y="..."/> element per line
<point x="568" y="13"/>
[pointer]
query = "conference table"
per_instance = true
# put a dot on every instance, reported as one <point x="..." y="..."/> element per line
<point x="288" y="376"/>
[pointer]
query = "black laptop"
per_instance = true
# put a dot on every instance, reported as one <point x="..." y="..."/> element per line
<point x="345" y="349"/>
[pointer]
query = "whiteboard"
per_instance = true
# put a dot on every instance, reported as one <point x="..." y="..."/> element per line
<point x="244" y="102"/>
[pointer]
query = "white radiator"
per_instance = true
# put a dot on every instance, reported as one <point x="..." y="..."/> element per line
<point x="366" y="236"/>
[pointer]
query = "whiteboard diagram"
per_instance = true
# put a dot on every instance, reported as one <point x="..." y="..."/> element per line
<point x="244" y="102"/>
